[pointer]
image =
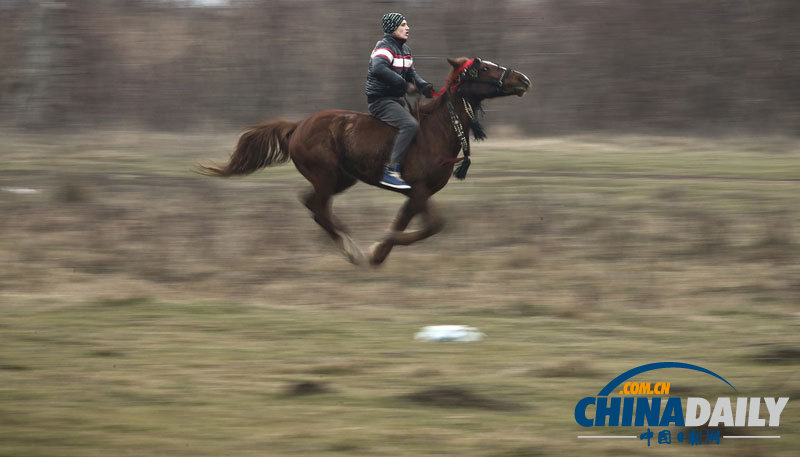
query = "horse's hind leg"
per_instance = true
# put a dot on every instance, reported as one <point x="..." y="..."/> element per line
<point x="319" y="202"/>
<point x="308" y="199"/>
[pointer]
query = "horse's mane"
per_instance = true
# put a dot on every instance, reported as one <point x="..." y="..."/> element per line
<point x="427" y="107"/>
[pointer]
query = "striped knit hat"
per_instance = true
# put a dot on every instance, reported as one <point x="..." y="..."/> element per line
<point x="391" y="21"/>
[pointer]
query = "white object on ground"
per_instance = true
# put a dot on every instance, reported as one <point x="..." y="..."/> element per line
<point x="449" y="333"/>
<point x="21" y="190"/>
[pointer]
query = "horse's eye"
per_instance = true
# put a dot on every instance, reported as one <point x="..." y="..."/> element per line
<point x="484" y="69"/>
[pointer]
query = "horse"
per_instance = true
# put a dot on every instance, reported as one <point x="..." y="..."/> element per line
<point x="333" y="149"/>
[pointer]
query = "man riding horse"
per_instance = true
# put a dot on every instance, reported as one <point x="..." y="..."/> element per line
<point x="391" y="68"/>
<point x="334" y="149"/>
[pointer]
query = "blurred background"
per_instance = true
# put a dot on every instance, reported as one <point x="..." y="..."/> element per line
<point x="662" y="65"/>
<point x="640" y="204"/>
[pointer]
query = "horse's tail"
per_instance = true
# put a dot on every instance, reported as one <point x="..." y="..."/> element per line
<point x="260" y="146"/>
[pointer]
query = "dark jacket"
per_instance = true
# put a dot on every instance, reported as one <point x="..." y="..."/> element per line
<point x="391" y="68"/>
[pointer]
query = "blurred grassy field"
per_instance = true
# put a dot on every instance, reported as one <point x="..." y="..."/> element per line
<point x="147" y="310"/>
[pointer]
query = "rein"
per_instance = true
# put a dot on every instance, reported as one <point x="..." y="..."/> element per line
<point x="455" y="79"/>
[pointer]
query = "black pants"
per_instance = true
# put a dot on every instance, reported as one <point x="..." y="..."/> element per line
<point x="393" y="112"/>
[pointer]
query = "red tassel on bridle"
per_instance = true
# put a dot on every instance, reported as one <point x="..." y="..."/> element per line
<point x="449" y="161"/>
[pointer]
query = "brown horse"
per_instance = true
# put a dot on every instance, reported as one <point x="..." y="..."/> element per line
<point x="335" y="148"/>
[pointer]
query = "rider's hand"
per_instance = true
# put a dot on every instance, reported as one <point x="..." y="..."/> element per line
<point x="427" y="90"/>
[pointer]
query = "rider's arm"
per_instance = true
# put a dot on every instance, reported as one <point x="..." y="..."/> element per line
<point x="382" y="69"/>
<point x="422" y="85"/>
<point x="415" y="78"/>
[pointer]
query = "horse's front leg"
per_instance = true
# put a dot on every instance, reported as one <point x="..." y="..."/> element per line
<point x="381" y="249"/>
<point x="418" y="203"/>
<point x="432" y="224"/>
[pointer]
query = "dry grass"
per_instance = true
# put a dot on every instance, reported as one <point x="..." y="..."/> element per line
<point x="147" y="310"/>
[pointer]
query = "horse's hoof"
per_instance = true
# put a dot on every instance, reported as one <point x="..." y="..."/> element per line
<point x="378" y="253"/>
<point x="351" y="251"/>
<point x="356" y="258"/>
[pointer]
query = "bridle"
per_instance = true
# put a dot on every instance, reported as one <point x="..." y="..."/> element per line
<point x="470" y="73"/>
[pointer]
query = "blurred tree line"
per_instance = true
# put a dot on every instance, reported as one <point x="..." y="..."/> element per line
<point x="707" y="66"/>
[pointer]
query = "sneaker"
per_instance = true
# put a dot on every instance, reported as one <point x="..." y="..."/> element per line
<point x="391" y="178"/>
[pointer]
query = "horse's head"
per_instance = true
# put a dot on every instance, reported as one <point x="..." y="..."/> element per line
<point x="485" y="79"/>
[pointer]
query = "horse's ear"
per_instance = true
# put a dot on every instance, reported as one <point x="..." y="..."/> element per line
<point x="457" y="63"/>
